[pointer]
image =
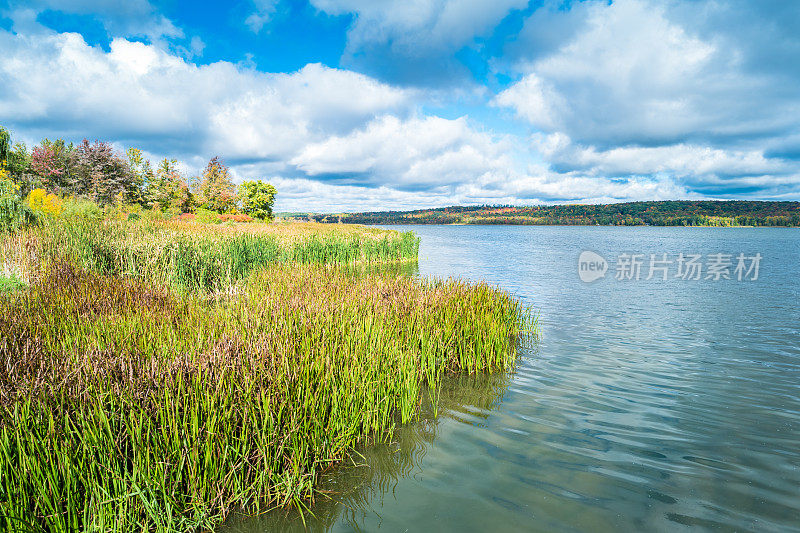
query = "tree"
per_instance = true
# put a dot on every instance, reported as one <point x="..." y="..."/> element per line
<point x="216" y="190"/>
<point x="141" y="172"/>
<point x="5" y="146"/>
<point x="161" y="188"/>
<point x="157" y="189"/>
<point x="14" y="214"/>
<point x="53" y="162"/>
<point x="167" y="189"/>
<point x="17" y="162"/>
<point x="102" y="174"/>
<point x="256" y="199"/>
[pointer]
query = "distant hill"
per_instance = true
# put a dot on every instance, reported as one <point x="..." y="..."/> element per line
<point x="664" y="213"/>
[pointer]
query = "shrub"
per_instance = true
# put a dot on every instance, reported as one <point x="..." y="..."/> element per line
<point x="14" y="214"/>
<point x="207" y="217"/>
<point x="41" y="202"/>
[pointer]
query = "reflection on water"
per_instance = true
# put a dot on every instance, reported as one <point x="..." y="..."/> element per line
<point x="655" y="405"/>
<point x="357" y="489"/>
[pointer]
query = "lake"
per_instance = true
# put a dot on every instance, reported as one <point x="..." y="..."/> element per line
<point x="646" y="404"/>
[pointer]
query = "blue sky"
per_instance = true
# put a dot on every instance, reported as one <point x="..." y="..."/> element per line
<point x="350" y="105"/>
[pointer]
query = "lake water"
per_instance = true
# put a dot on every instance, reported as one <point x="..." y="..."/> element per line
<point x="657" y="405"/>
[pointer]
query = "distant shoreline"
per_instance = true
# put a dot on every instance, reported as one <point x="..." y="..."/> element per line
<point x="682" y="213"/>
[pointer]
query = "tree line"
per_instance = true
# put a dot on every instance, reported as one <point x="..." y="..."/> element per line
<point x="95" y="171"/>
<point x="656" y="213"/>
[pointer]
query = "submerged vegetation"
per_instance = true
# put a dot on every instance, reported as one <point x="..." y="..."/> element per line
<point x="158" y="375"/>
<point x="662" y="213"/>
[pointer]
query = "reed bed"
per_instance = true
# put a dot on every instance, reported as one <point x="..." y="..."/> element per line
<point x="128" y="405"/>
<point x="191" y="256"/>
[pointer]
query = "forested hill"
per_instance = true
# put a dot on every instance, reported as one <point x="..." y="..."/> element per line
<point x="664" y="213"/>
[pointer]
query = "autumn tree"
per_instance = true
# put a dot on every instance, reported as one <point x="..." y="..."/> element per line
<point x="216" y="190"/>
<point x="101" y="174"/>
<point x="167" y="189"/>
<point x="256" y="199"/>
<point x="54" y="163"/>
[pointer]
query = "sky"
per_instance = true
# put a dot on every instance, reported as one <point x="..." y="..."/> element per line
<point x="356" y="105"/>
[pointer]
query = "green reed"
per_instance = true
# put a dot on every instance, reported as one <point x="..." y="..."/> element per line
<point x="209" y="260"/>
<point x="127" y="406"/>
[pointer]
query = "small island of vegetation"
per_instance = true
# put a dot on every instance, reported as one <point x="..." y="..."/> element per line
<point x="168" y="355"/>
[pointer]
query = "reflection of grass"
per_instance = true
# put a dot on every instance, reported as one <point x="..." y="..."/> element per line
<point x="348" y="491"/>
<point x="125" y="405"/>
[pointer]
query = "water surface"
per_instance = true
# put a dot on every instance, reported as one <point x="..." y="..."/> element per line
<point x="656" y="405"/>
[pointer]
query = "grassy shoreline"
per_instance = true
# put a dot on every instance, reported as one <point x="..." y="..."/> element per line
<point x="129" y="400"/>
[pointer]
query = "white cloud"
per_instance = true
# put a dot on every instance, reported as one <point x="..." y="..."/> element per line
<point x="128" y="18"/>
<point x="428" y="151"/>
<point x="630" y="106"/>
<point x="622" y="90"/>
<point x="264" y="10"/>
<point x="534" y="100"/>
<point x="695" y="162"/>
<point x="416" y="25"/>
<point x="633" y="76"/>
<point x="143" y="93"/>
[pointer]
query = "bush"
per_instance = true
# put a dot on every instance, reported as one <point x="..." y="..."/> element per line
<point x="41" y="202"/>
<point x="207" y="217"/>
<point x="14" y="214"/>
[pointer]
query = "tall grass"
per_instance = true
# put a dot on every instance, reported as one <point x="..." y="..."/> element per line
<point x="128" y="406"/>
<point x="191" y="256"/>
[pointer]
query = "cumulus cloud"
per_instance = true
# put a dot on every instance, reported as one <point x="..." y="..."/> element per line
<point x="416" y="26"/>
<point x="536" y="185"/>
<point x="129" y="18"/>
<point x="695" y="162"/>
<point x="319" y="122"/>
<point x="633" y="100"/>
<point x="144" y="94"/>
<point x="634" y="76"/>
<point x="416" y="39"/>
<point x="635" y="89"/>
<point x="417" y="153"/>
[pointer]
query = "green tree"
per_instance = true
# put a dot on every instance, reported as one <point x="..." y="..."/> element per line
<point x="216" y="190"/>
<point x="161" y="188"/>
<point x="256" y="199"/>
<point x="14" y="214"/>
<point x="19" y="160"/>
<point x="5" y="146"/>
<point x="17" y="163"/>
<point x="141" y="172"/>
